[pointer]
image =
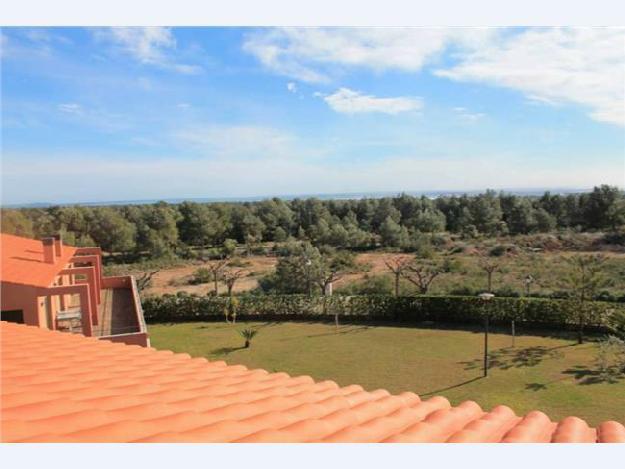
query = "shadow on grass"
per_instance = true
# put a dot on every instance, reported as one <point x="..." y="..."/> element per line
<point x="587" y="376"/>
<point x="225" y="350"/>
<point x="342" y="331"/>
<point x="507" y="358"/>
<point x="536" y="386"/>
<point x="224" y="325"/>
<point x="464" y="383"/>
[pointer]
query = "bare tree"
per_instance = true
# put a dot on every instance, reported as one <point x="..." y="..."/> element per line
<point x="327" y="272"/>
<point x="423" y="274"/>
<point x="325" y="278"/>
<point x="397" y="266"/>
<point x="528" y="281"/>
<point x="530" y="275"/>
<point x="215" y="269"/>
<point x="230" y="277"/>
<point x="145" y="280"/>
<point x="490" y="266"/>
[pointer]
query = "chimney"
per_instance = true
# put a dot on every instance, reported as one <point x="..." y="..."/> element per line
<point x="58" y="245"/>
<point x="48" y="250"/>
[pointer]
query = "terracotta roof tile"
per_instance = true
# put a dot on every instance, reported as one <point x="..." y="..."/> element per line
<point x="68" y="388"/>
<point x="22" y="261"/>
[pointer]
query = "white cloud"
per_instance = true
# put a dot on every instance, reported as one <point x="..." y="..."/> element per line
<point x="467" y="115"/>
<point x="349" y="101"/>
<point x="185" y="68"/>
<point x="149" y="45"/>
<point x="584" y="66"/>
<point x="44" y="35"/>
<point x="292" y="87"/>
<point x="183" y="106"/>
<point x="97" y="118"/>
<point x="302" y="52"/>
<point x="70" y="108"/>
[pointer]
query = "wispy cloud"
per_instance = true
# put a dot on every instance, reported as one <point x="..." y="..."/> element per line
<point x="147" y="45"/>
<point x="349" y="101"/>
<point x="237" y="141"/>
<point x="292" y="87"/>
<point x="467" y="115"/>
<point x="305" y="53"/>
<point x="70" y="108"/>
<point x="585" y="66"/>
<point x="96" y="118"/>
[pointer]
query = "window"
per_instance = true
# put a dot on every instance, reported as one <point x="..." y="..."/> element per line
<point x="16" y="315"/>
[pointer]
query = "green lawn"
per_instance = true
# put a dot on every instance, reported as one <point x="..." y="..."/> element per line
<point x="550" y="374"/>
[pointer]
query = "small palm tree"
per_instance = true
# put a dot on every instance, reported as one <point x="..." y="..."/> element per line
<point x="248" y="335"/>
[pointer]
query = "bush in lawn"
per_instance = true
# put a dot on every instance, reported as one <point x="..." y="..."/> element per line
<point x="611" y="358"/>
<point x="248" y="335"/>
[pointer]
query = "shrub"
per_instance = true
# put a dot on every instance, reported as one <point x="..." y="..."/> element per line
<point x="611" y="358"/>
<point x="238" y="262"/>
<point x="248" y="335"/>
<point x="460" y="309"/>
<point x="498" y="250"/>
<point x="369" y="285"/>
<point x="201" y="275"/>
<point x="463" y="291"/>
<point x="507" y="291"/>
<point x="617" y="237"/>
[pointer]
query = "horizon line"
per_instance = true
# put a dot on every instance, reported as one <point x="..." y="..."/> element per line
<point x="321" y="195"/>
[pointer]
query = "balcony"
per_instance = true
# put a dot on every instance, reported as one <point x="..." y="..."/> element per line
<point x="120" y="315"/>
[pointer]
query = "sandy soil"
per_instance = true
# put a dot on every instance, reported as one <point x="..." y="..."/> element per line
<point x="177" y="278"/>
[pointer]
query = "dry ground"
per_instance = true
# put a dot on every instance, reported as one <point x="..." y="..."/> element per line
<point x="548" y="268"/>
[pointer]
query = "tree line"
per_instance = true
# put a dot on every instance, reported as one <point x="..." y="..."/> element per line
<point x="162" y="229"/>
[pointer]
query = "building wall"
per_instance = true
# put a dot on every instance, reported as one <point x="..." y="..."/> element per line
<point x="25" y="298"/>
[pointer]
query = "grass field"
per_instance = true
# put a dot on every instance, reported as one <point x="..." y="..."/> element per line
<point x="546" y="373"/>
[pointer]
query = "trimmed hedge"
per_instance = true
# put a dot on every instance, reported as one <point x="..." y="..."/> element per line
<point x="460" y="309"/>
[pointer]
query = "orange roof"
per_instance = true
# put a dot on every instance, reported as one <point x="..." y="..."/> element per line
<point x="60" y="387"/>
<point x="22" y="261"/>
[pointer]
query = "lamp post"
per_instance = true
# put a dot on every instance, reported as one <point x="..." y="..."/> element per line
<point x="486" y="297"/>
<point x="308" y="263"/>
<point x="528" y="283"/>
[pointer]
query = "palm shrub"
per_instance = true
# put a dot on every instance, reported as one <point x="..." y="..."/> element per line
<point x="248" y="335"/>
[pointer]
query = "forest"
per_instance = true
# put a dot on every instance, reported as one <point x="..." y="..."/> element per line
<point x="162" y="230"/>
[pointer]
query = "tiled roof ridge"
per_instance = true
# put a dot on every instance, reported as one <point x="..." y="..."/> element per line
<point x="59" y="387"/>
<point x="23" y="261"/>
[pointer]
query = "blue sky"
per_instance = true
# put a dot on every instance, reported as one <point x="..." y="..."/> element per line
<point x="94" y="114"/>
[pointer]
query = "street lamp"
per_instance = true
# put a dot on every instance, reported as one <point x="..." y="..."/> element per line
<point x="308" y="263"/>
<point x="486" y="297"/>
<point x="528" y="283"/>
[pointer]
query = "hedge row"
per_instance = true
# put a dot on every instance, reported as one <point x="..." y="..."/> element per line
<point x="546" y="312"/>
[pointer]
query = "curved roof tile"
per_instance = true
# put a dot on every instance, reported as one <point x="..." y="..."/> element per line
<point x="68" y="388"/>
